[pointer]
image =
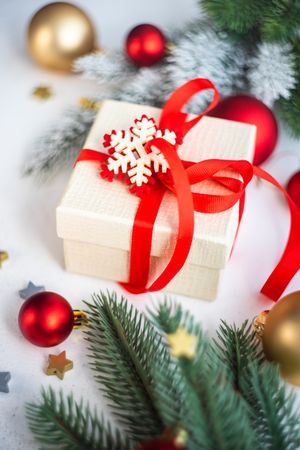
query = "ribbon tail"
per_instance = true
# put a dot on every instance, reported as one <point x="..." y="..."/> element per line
<point x="289" y="263"/>
<point x="285" y="270"/>
<point x="141" y="240"/>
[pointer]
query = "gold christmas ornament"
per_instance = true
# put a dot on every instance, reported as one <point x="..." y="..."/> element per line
<point x="58" y="34"/>
<point x="281" y="337"/>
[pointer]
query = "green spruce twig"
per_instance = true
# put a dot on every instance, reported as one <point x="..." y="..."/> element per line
<point x="197" y="393"/>
<point x="59" y="423"/>
<point x="124" y="347"/>
<point x="237" y="348"/>
<point x="273" y="409"/>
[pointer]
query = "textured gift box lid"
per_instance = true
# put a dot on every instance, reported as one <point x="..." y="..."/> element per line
<point x="96" y="211"/>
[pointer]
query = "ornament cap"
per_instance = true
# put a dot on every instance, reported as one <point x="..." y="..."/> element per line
<point x="80" y="318"/>
<point x="259" y="323"/>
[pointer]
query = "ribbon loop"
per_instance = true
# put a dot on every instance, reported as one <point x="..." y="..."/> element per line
<point x="174" y="118"/>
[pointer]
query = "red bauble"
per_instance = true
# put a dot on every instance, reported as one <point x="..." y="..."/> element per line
<point x="145" y="45"/>
<point x="243" y="108"/>
<point x="159" y="444"/>
<point x="46" y="319"/>
<point x="293" y="188"/>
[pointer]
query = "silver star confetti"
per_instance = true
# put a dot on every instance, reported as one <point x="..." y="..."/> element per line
<point x="30" y="290"/>
<point x="4" y="379"/>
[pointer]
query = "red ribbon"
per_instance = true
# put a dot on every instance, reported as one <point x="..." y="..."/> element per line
<point x="184" y="175"/>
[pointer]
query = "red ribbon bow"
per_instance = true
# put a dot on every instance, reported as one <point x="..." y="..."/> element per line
<point x="185" y="174"/>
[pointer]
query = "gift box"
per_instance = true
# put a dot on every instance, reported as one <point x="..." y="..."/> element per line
<point x="95" y="217"/>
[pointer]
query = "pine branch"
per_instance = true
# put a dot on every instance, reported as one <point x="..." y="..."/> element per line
<point x="289" y="111"/>
<point x="237" y="16"/>
<point x="237" y="348"/>
<point x="273" y="408"/>
<point x="106" y="67"/>
<point x="167" y="316"/>
<point x="150" y="86"/>
<point x="198" y="394"/>
<point x="60" y="144"/>
<point x="281" y="20"/>
<point x="59" y="423"/>
<point x="207" y="53"/>
<point x="272" y="72"/>
<point x="124" y="347"/>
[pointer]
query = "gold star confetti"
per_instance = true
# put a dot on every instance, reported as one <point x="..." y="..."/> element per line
<point x="3" y="257"/>
<point x="42" y="92"/>
<point x="182" y="343"/>
<point x="87" y="103"/>
<point x="59" y="365"/>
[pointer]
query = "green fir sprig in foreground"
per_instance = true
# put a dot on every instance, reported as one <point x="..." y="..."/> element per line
<point x="225" y="397"/>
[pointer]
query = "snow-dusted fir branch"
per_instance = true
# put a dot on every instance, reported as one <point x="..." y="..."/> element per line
<point x="60" y="144"/>
<point x="149" y="86"/>
<point x="105" y="67"/>
<point x="272" y="73"/>
<point x="209" y="54"/>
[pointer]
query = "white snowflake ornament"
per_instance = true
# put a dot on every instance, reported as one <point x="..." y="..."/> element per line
<point x="129" y="156"/>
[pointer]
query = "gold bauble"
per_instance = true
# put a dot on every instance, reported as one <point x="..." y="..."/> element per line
<point x="281" y="337"/>
<point x="58" y="34"/>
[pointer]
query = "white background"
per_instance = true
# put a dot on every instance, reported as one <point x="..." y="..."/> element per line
<point x="27" y="213"/>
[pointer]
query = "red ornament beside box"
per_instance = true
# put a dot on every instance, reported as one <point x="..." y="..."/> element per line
<point x="191" y="176"/>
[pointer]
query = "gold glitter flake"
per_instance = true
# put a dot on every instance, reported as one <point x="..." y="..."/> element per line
<point x="42" y="92"/>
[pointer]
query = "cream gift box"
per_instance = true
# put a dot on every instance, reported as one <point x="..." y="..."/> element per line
<point x="95" y="217"/>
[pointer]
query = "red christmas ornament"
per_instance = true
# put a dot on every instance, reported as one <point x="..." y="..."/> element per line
<point x="159" y="444"/>
<point x="243" y="108"/>
<point x="145" y="45"/>
<point x="293" y="188"/>
<point x="46" y="319"/>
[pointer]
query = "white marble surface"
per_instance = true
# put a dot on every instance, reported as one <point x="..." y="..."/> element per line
<point x="27" y="214"/>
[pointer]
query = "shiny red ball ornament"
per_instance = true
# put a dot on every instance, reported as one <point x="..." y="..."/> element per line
<point x="46" y="319"/>
<point x="145" y="45"/>
<point x="293" y="188"/>
<point x="243" y="108"/>
<point x="159" y="444"/>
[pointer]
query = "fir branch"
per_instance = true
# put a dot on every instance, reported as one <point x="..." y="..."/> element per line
<point x="208" y="54"/>
<point x="272" y="72"/>
<point x="281" y="20"/>
<point x="273" y="408"/>
<point x="124" y="347"/>
<point x="150" y="86"/>
<point x="59" y="423"/>
<point x="237" y="16"/>
<point x="197" y="394"/>
<point x="236" y="348"/>
<point x="60" y="144"/>
<point x="289" y="111"/>
<point x="106" y="67"/>
<point x="167" y="316"/>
